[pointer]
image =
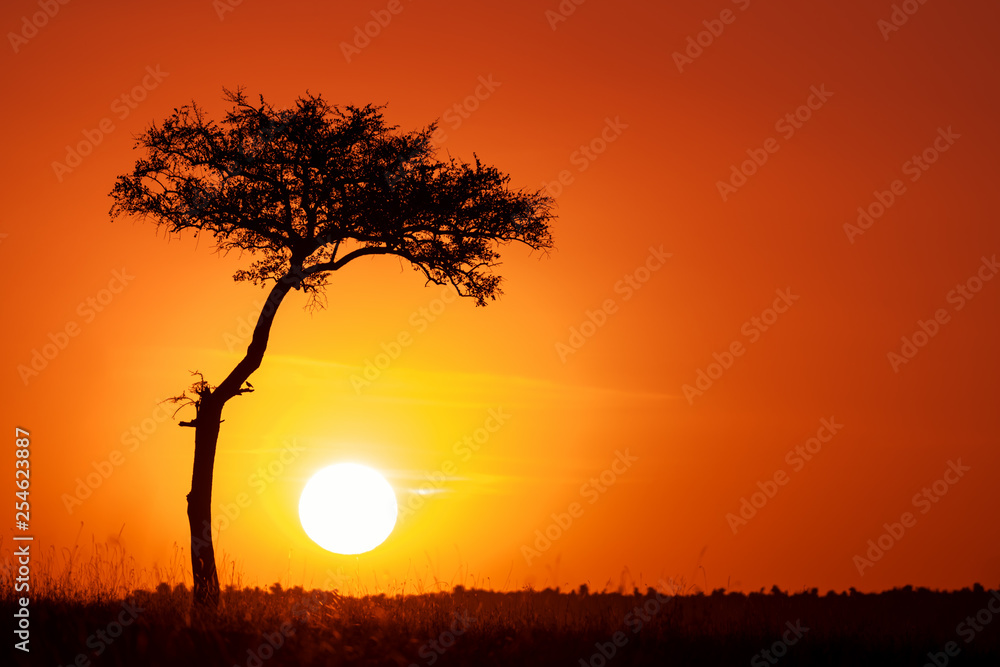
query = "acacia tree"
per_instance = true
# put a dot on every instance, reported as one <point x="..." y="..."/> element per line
<point x="307" y="190"/>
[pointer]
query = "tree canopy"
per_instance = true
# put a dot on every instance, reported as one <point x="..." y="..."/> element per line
<point x="310" y="188"/>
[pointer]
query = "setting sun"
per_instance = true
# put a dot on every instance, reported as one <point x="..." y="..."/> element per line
<point x="347" y="508"/>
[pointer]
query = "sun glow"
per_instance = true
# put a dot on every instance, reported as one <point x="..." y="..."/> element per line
<point x="348" y="508"/>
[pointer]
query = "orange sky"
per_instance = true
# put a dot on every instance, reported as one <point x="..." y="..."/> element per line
<point x="663" y="133"/>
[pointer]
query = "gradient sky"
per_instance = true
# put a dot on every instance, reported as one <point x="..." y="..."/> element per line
<point x="663" y="131"/>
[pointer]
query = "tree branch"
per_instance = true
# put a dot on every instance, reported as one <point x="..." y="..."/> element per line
<point x="258" y="344"/>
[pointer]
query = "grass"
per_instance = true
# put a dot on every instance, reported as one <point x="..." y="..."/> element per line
<point x="86" y="612"/>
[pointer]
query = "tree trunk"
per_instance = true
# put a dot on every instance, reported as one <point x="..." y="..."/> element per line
<point x="206" y="437"/>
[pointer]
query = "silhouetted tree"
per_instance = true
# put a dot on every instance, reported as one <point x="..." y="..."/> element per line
<point x="307" y="190"/>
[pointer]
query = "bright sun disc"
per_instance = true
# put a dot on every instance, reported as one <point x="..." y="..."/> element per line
<point x="348" y="508"/>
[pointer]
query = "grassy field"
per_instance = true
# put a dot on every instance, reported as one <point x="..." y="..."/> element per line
<point x="91" y="614"/>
